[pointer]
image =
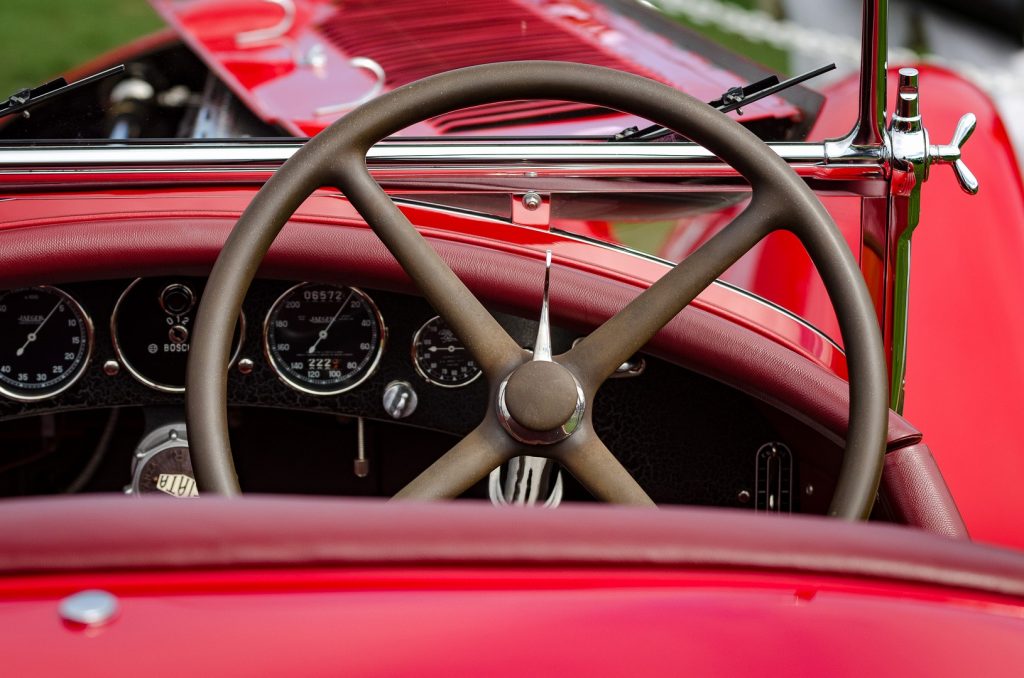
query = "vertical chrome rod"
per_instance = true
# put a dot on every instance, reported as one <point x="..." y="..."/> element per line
<point x="870" y="129"/>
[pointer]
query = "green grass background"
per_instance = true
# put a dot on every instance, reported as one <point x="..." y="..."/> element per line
<point x="40" y="39"/>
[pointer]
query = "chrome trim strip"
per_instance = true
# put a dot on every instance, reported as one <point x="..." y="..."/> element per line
<point x="394" y="152"/>
<point x="441" y="208"/>
<point x="717" y="281"/>
<point x="270" y="33"/>
<point x="365" y="63"/>
<point x="783" y="310"/>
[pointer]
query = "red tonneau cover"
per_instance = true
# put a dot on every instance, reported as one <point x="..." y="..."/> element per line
<point x="114" y="533"/>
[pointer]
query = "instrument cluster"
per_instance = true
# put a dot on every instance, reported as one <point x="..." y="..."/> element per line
<point x="318" y="339"/>
<point x="357" y="356"/>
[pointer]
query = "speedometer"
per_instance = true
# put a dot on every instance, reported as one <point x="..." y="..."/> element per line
<point x="324" y="339"/>
<point x="45" y="342"/>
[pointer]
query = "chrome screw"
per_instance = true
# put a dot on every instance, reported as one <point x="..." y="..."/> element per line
<point x="532" y="200"/>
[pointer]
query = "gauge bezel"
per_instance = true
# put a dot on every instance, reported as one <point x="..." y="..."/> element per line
<point x="89" y="341"/>
<point x="422" y="372"/>
<point x="304" y="388"/>
<point x="157" y="386"/>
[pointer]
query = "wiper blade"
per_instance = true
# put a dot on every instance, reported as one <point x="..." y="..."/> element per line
<point x="732" y="100"/>
<point x="27" y="98"/>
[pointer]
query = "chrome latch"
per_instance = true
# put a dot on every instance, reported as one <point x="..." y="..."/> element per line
<point x="909" y="139"/>
<point x="949" y="154"/>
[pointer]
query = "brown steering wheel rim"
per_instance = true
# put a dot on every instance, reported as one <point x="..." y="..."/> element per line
<point x="337" y="157"/>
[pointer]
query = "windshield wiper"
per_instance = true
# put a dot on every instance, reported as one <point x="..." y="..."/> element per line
<point x="26" y="98"/>
<point x="732" y="100"/>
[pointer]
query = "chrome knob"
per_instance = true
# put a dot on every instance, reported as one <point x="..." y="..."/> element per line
<point x="907" y="116"/>
<point x="400" y="400"/>
<point x="949" y="154"/>
<point x="92" y="607"/>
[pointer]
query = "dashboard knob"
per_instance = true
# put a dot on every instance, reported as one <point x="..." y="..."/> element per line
<point x="177" y="299"/>
<point x="400" y="400"/>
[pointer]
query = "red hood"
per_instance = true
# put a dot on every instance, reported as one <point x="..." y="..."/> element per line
<point x="287" y="80"/>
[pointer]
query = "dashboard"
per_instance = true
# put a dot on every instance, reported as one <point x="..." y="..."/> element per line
<point x="341" y="390"/>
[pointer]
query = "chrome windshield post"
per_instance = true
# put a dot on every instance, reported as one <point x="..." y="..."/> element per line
<point x="911" y="159"/>
<point x="874" y="55"/>
<point x="904" y="155"/>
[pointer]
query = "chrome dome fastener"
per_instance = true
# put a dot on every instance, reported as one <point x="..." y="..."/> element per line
<point x="92" y="607"/>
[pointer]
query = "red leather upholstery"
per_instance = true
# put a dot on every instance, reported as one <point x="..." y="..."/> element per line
<point x="915" y="491"/>
<point x="703" y="341"/>
<point x="116" y="533"/>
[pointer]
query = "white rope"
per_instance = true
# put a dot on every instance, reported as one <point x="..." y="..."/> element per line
<point x="760" y="27"/>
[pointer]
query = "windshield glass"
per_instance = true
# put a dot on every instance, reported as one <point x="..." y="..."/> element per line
<point x="230" y="69"/>
<point x="206" y="72"/>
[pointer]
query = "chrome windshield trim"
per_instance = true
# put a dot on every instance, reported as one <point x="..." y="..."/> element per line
<point x="826" y="161"/>
<point x="717" y="281"/>
<point x="433" y="154"/>
<point x="448" y="209"/>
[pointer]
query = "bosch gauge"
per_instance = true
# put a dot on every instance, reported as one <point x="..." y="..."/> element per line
<point x="324" y="339"/>
<point x="45" y="342"/>
<point x="152" y="330"/>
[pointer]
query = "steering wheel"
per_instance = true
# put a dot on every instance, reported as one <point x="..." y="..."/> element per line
<point x="540" y="405"/>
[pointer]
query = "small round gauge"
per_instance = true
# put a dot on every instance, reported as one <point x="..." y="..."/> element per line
<point x="163" y="465"/>
<point x="45" y="342"/>
<point x="440" y="357"/>
<point x="152" y="325"/>
<point x="323" y="339"/>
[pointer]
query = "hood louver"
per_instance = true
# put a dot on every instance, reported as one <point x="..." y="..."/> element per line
<point x="412" y="39"/>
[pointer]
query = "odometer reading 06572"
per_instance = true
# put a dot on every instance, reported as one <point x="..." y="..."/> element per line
<point x="45" y="342"/>
<point x="324" y="339"/>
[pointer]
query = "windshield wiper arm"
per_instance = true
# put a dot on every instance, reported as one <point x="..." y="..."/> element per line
<point x="732" y="100"/>
<point x="26" y="98"/>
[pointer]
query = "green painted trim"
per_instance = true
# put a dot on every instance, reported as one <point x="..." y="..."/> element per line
<point x="901" y="297"/>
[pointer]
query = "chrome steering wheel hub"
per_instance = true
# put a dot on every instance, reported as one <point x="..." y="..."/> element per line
<point x="541" y="403"/>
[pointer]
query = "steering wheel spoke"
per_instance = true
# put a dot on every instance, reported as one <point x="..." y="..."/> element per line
<point x="597" y="356"/>
<point x="486" y="448"/>
<point x="486" y="340"/>
<point x="590" y="461"/>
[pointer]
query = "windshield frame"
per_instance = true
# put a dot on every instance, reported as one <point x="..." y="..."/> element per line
<point x="859" y="164"/>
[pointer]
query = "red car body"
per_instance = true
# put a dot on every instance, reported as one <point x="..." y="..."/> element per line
<point x="320" y="587"/>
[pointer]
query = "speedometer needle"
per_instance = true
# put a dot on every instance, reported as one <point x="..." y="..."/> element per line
<point x="323" y="333"/>
<point x="34" y="333"/>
